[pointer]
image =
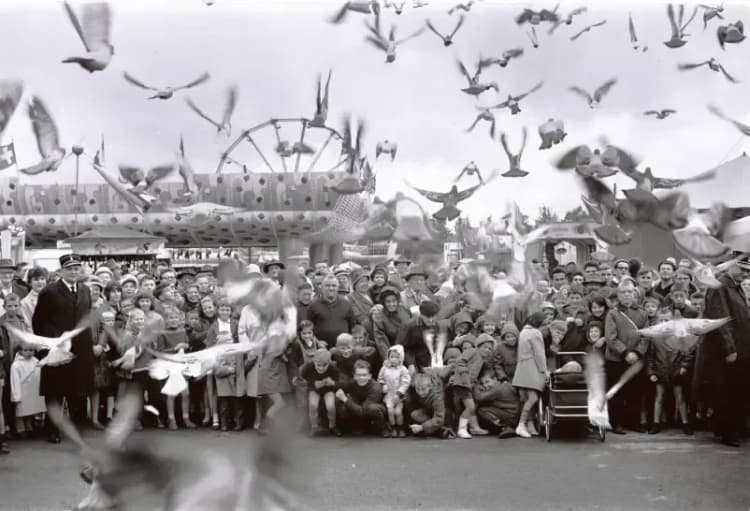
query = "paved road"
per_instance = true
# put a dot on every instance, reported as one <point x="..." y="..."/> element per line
<point x="662" y="472"/>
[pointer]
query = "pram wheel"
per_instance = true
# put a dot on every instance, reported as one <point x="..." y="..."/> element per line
<point x="548" y="423"/>
<point x="602" y="433"/>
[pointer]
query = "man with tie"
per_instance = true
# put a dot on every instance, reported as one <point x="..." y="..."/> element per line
<point x="60" y="307"/>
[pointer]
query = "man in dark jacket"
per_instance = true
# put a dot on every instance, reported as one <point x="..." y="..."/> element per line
<point x="727" y="351"/>
<point x="60" y="308"/>
<point x="361" y="403"/>
<point x="331" y="314"/>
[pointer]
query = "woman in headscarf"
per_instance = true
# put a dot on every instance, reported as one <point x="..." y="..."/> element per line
<point x="387" y="320"/>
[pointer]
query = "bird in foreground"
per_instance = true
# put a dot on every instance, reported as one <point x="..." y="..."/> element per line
<point x="469" y="170"/>
<point x="678" y="28"/>
<point x="389" y="45"/>
<point x="504" y="59"/>
<point x="47" y="139"/>
<point x="682" y="327"/>
<point x="398" y="8"/>
<point x="711" y="12"/>
<point x="599" y="93"/>
<point x="705" y="274"/>
<point x="321" y="105"/>
<point x="140" y="182"/>
<point x="536" y="17"/>
<point x="166" y="92"/>
<point x="387" y="147"/>
<point x="352" y="150"/>
<point x="660" y="114"/>
<point x="58" y="347"/>
<point x="587" y="29"/>
<point x="597" y="163"/>
<point x="10" y="96"/>
<point x="95" y="36"/>
<point x="201" y="213"/>
<point x="223" y="127"/>
<point x="702" y="237"/>
<point x="419" y="3"/>
<point x="401" y="219"/>
<point x="647" y="182"/>
<point x="732" y="33"/>
<point x="633" y="36"/>
<point x="712" y="64"/>
<point x="485" y="114"/>
<point x="186" y="173"/>
<point x="475" y="88"/>
<point x="450" y="199"/>
<point x="140" y="204"/>
<point x="568" y="20"/>
<point x="513" y="101"/>
<point x="364" y="7"/>
<point x="743" y="128"/>
<point x="466" y="7"/>
<point x="286" y="149"/>
<point x="447" y="39"/>
<point x="552" y="132"/>
<point x="533" y="38"/>
<point x="514" y="160"/>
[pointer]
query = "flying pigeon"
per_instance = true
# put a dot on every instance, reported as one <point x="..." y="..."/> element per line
<point x="447" y="39"/>
<point x="732" y="33"/>
<point x="599" y="93"/>
<point x="364" y="7"/>
<point x="10" y="96"/>
<point x="47" y="139"/>
<point x="402" y="217"/>
<point x="352" y="149"/>
<point x="419" y="3"/>
<point x="321" y="105"/>
<point x="224" y="127"/>
<point x="551" y="132"/>
<point x="186" y="173"/>
<point x="469" y="170"/>
<point x="660" y="114"/>
<point x="138" y="202"/>
<point x="94" y="34"/>
<point x="386" y="147"/>
<point x="743" y="128"/>
<point x="166" y="92"/>
<point x="702" y="236"/>
<point x="513" y="101"/>
<point x="533" y="37"/>
<point x="466" y="7"/>
<point x="710" y="13"/>
<point x="536" y="17"/>
<point x="705" y="274"/>
<point x="712" y="64"/>
<point x="475" y="88"/>
<point x="450" y="200"/>
<point x="568" y="20"/>
<point x="633" y="36"/>
<point x="398" y="8"/>
<point x="596" y="163"/>
<point x="514" y="159"/>
<point x="389" y="45"/>
<point x="647" y="182"/>
<point x="58" y="347"/>
<point x="678" y="28"/>
<point x="683" y="327"/>
<point x="138" y="182"/>
<point x="587" y="29"/>
<point x="485" y="114"/>
<point x="504" y="59"/>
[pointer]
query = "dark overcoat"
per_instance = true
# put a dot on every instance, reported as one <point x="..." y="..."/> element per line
<point x="59" y="310"/>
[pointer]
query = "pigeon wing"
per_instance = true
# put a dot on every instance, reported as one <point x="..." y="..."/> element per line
<point x="10" y="95"/>
<point x="429" y="25"/>
<point x="159" y="172"/>
<point x="570" y="159"/>
<point x="631" y="29"/>
<point x="132" y="175"/>
<point x="727" y="75"/>
<point x="604" y="89"/>
<point x="525" y="16"/>
<point x="533" y="89"/>
<point x="672" y="21"/>
<point x="378" y="43"/>
<point x="458" y="25"/>
<point x="581" y="92"/>
<point x="47" y="137"/>
<point x="599" y="192"/>
<point x="431" y="196"/>
<point x="137" y="83"/>
<point x="231" y="103"/>
<point x="201" y="79"/>
<point x="76" y="24"/>
<point x="96" y="25"/>
<point x="128" y="411"/>
<point x="200" y="112"/>
<point x="464" y="71"/>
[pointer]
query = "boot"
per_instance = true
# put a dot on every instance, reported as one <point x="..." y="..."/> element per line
<point x="462" y="425"/>
<point x="474" y="428"/>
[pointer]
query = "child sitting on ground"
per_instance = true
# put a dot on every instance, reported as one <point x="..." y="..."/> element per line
<point x="395" y="379"/>
<point x="321" y="377"/>
<point x="301" y="351"/>
<point x="345" y="355"/>
<point x="465" y="375"/>
<point x="428" y="406"/>
<point x="497" y="404"/>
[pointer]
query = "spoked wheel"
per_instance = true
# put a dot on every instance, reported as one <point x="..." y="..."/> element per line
<point x="602" y="433"/>
<point x="541" y="418"/>
<point x="548" y="423"/>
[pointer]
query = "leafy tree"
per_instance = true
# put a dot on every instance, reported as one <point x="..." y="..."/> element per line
<point x="545" y="216"/>
<point x="577" y="215"/>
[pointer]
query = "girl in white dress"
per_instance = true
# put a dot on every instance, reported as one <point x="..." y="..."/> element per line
<point x="24" y="388"/>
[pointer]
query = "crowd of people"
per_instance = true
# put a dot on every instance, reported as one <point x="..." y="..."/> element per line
<point x="364" y="358"/>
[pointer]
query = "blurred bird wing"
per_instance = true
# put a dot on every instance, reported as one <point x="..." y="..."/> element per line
<point x="703" y="326"/>
<point x="231" y="103"/>
<point x="10" y="95"/>
<point x="132" y="175"/>
<point x="417" y="33"/>
<point x="727" y="75"/>
<point x="76" y="24"/>
<point x="692" y="16"/>
<point x="159" y="172"/>
<point x="593" y="210"/>
<point x="576" y="12"/>
<point x="458" y="25"/>
<point x="581" y="92"/>
<point x="533" y="89"/>
<point x="672" y="21"/>
<point x="464" y="71"/>
<point x="45" y="129"/>
<point x="128" y="411"/>
<point x="651" y="112"/>
<point x="598" y="24"/>
<point x="625" y="160"/>
<point x="573" y="157"/>
<point x="631" y="28"/>
<point x="600" y="193"/>
<point x="96" y="25"/>
<point x="431" y="196"/>
<point x="660" y="330"/>
<point x="668" y="111"/>
<point x="137" y="83"/>
<point x="686" y="66"/>
<point x="513" y="53"/>
<point x="547" y="15"/>
<point x="201" y="79"/>
<point x="666" y="183"/>
<point x="200" y="112"/>
<point x="525" y="16"/>
<point x="378" y="43"/>
<point x="604" y="89"/>
<point x="432" y="28"/>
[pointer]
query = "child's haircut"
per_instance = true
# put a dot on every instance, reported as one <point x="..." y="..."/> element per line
<point x="665" y="310"/>
<point x="208" y="298"/>
<point x="421" y="378"/>
<point x="679" y="287"/>
<point x="222" y="302"/>
<point x="653" y="298"/>
<point x="358" y="329"/>
<point x="595" y="324"/>
<point x="37" y="272"/>
<point x="559" y="296"/>
<point x="174" y="311"/>
<point x="646" y="270"/>
<point x="698" y="296"/>
<point x="362" y="364"/>
<point x="135" y="310"/>
<point x="344" y="339"/>
<point x="304" y="324"/>
<point x="487" y="372"/>
<point x="576" y="289"/>
<point x="12" y="297"/>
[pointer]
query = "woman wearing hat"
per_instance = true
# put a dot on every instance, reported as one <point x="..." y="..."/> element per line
<point x="388" y="319"/>
<point x="360" y="299"/>
<point x="416" y="288"/>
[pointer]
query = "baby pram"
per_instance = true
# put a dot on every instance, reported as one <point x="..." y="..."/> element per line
<point x="566" y="398"/>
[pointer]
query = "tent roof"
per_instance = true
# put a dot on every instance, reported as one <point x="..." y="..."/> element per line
<point x="730" y="185"/>
<point x="116" y="233"/>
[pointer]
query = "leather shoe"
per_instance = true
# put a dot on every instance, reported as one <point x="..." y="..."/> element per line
<point x="731" y="441"/>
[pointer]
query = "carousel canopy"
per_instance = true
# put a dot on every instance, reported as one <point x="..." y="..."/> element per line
<point x="116" y="241"/>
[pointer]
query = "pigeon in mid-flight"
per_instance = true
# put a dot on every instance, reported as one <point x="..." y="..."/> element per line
<point x="95" y="36"/>
<point x="166" y="92"/>
<point x="599" y="93"/>
<point x="448" y="38"/>
<point x="223" y="127"/>
<point x="47" y="139"/>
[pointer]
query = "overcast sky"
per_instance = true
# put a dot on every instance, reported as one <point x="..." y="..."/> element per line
<point x="273" y="50"/>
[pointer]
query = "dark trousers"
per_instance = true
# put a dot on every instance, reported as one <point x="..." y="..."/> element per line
<point x="9" y="408"/>
<point x="495" y="419"/>
<point x="625" y="406"/>
<point x="371" y="420"/>
<point x="731" y="416"/>
<point x="231" y="410"/>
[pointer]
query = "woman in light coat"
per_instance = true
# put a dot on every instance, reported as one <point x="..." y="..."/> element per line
<point x="531" y="371"/>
